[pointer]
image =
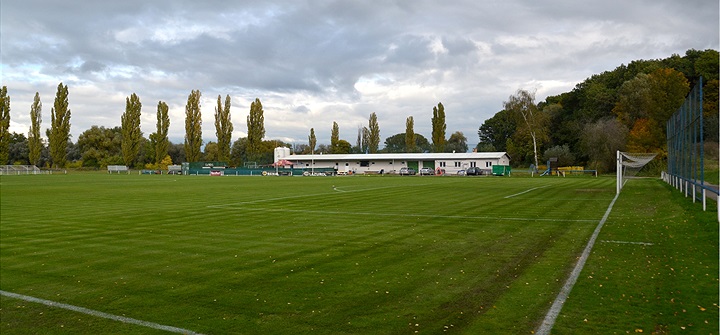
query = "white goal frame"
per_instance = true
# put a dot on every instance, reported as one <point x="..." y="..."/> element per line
<point x="633" y="161"/>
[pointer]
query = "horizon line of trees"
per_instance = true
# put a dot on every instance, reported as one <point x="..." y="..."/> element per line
<point x="99" y="146"/>
<point x="624" y="109"/>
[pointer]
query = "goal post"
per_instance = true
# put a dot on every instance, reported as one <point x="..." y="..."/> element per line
<point x="629" y="164"/>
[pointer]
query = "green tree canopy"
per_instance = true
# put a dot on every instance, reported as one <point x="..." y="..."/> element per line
<point x="4" y="126"/>
<point x="373" y="134"/>
<point x="531" y="122"/>
<point x="211" y="152"/>
<point x="438" y="128"/>
<point x="256" y="131"/>
<point x="160" y="137"/>
<point x="343" y="147"/>
<point x="600" y="140"/>
<point x="312" y="140"/>
<point x="35" y="144"/>
<point x="100" y="146"/>
<point x="59" y="132"/>
<point x="410" y="145"/>
<point x="456" y="143"/>
<point x="193" y="127"/>
<point x="334" y="138"/>
<point x="496" y="131"/>
<point x="564" y="156"/>
<point x="223" y="129"/>
<point x="397" y="144"/>
<point x="131" y="134"/>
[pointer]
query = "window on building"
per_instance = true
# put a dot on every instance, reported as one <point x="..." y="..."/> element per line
<point x="458" y="164"/>
<point x="364" y="163"/>
<point x="488" y="164"/>
<point x="473" y="164"/>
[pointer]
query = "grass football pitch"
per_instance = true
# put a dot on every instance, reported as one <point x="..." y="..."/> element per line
<point x="351" y="255"/>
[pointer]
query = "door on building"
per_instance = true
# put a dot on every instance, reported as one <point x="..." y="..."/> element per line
<point x="413" y="164"/>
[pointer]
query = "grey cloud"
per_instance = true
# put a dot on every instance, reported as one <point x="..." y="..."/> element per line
<point x="317" y="52"/>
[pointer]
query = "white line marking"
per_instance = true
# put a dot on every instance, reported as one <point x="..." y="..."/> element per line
<point x="98" y="313"/>
<point x="557" y="305"/>
<point x="526" y="191"/>
<point x="626" y="242"/>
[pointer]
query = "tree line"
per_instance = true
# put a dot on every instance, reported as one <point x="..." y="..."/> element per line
<point x="99" y="146"/>
<point x="623" y="109"/>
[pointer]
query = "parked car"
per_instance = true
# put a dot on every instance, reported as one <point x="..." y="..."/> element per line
<point x="427" y="171"/>
<point x="407" y="171"/>
<point x="473" y="171"/>
<point x="461" y="173"/>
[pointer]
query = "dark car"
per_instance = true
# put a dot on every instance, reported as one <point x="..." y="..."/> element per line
<point x="473" y="171"/>
<point x="407" y="171"/>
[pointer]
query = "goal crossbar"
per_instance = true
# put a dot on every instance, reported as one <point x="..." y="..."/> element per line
<point x="628" y="165"/>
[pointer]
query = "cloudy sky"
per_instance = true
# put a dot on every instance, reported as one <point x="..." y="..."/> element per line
<point x="315" y="62"/>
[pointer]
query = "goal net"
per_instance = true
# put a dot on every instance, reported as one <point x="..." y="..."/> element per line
<point x="629" y="164"/>
<point x="19" y="169"/>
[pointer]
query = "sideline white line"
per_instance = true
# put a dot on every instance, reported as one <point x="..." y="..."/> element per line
<point x="526" y="191"/>
<point x="557" y="305"/>
<point x="98" y="313"/>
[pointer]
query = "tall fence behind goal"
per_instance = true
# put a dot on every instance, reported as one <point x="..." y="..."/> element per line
<point x="686" y="157"/>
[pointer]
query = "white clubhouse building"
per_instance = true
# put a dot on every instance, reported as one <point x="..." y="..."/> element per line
<point x="393" y="162"/>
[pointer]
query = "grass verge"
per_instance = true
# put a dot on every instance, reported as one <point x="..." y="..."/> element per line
<point x="654" y="270"/>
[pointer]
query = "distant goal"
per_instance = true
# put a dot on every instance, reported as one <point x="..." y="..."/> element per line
<point x="19" y="169"/>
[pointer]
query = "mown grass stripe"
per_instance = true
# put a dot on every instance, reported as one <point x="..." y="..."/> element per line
<point x="98" y="313"/>
<point x="523" y="192"/>
<point x="557" y="305"/>
<point x="467" y="217"/>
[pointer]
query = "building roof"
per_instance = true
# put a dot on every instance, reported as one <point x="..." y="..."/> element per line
<point x="400" y="156"/>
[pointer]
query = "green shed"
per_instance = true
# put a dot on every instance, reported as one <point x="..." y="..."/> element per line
<point x="501" y="170"/>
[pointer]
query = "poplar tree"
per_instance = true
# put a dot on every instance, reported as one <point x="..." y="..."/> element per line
<point x="334" y="138"/>
<point x="438" y="128"/>
<point x="223" y="128"/>
<point x="130" y="129"/>
<point x="365" y="148"/>
<point x="374" y="134"/>
<point x="410" y="135"/>
<point x="4" y="126"/>
<point x="193" y="127"/>
<point x="256" y="130"/>
<point x="359" y="141"/>
<point x="34" y="141"/>
<point x="312" y="141"/>
<point x="161" y="134"/>
<point x="59" y="133"/>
